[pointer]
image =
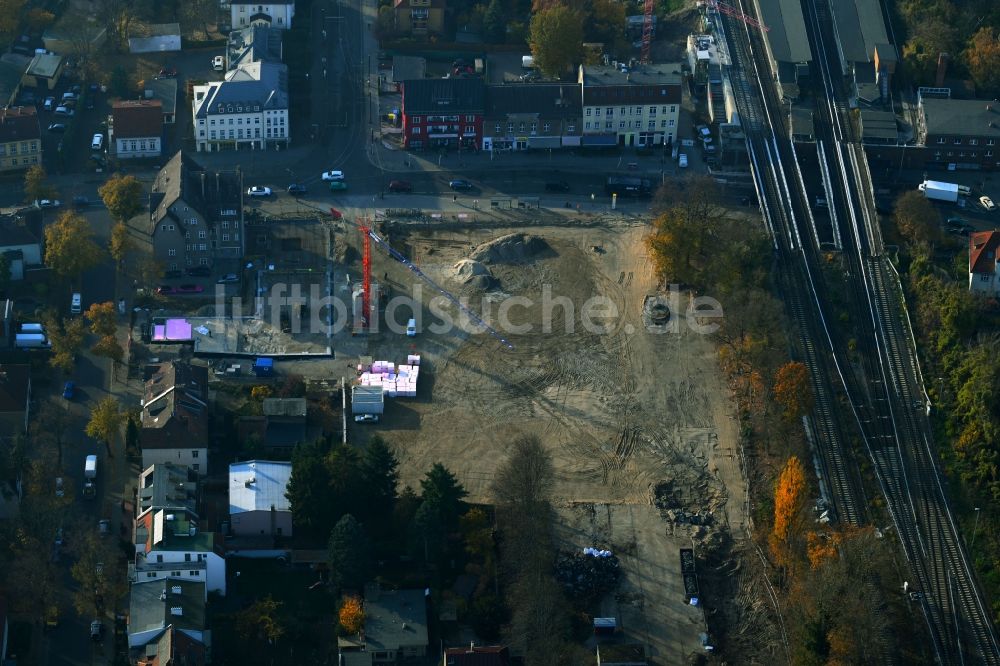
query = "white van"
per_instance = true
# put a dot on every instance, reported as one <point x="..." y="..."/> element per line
<point x="411" y="328"/>
<point x="97" y="142"/>
<point x="76" y="304"/>
<point x="32" y="328"/>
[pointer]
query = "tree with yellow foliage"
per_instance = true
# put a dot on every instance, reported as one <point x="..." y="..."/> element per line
<point x="789" y="512"/>
<point x="351" y="615"/>
<point x="792" y="390"/>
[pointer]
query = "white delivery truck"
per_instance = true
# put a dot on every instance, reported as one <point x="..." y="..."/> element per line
<point x="90" y="477"/>
<point x="31" y="341"/>
<point x="939" y="191"/>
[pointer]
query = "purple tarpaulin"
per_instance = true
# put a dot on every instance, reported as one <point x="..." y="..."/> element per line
<point x="178" y="329"/>
<point x="159" y="332"/>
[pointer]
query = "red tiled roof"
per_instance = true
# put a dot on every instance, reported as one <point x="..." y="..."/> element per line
<point x="983" y="247"/>
<point x="19" y="123"/>
<point x="134" y="119"/>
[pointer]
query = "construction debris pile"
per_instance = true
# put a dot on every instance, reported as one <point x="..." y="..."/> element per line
<point x="588" y="576"/>
<point x="395" y="381"/>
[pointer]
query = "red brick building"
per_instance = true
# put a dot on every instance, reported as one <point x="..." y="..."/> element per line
<point x="443" y="113"/>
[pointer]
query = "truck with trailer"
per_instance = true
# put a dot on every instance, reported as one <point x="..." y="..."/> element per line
<point x="90" y="477"/>
<point x="937" y="190"/>
<point x="367" y="404"/>
<point x="31" y="341"/>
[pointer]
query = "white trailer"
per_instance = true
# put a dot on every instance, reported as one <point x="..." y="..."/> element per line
<point x="939" y="191"/>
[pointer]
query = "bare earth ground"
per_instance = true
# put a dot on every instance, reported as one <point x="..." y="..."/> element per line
<point x="621" y="413"/>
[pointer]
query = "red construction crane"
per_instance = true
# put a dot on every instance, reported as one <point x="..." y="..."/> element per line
<point x="647" y="31"/>
<point x="729" y="10"/>
<point x="366" y="274"/>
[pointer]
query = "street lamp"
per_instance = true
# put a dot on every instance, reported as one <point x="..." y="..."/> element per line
<point x="975" y="528"/>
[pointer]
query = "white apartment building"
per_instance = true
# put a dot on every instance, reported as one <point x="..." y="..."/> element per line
<point x="248" y="110"/>
<point x="275" y="15"/>
<point x="637" y="106"/>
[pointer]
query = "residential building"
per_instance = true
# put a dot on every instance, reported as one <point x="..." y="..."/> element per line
<point x="169" y="487"/>
<point x="440" y="113"/>
<point x="175" y="417"/>
<point x="43" y="71"/>
<point x="165" y="92"/>
<point x="257" y="502"/>
<point x="959" y="133"/>
<point x="136" y="128"/>
<point x="168" y="544"/>
<point x="247" y="110"/>
<point x="279" y="430"/>
<point x="20" y="138"/>
<point x="419" y="17"/>
<point x="256" y="43"/>
<point x="532" y="116"/>
<point x="15" y="399"/>
<point x="275" y="14"/>
<point x="21" y="241"/>
<point x="477" y="655"/>
<point x="786" y="43"/>
<point x="637" y="106"/>
<point x="395" y="624"/>
<point x="159" y="607"/>
<point x="196" y="216"/>
<point x="984" y="278"/>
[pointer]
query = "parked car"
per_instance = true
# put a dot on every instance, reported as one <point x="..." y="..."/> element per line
<point x="57" y="127"/>
<point x="338" y="186"/>
<point x="60" y="487"/>
<point x="47" y="203"/>
<point x="460" y="185"/>
<point x="218" y="63"/>
<point x="75" y="89"/>
<point x="333" y="175"/>
<point x="986" y="202"/>
<point x="103" y="526"/>
<point x="168" y="72"/>
<point x="49" y="104"/>
<point x="257" y="191"/>
<point x="190" y="289"/>
<point x="69" y="390"/>
<point x="400" y="186"/>
<point x="96" y="630"/>
<point x="228" y="277"/>
<point x="62" y="110"/>
<point x="557" y="186"/>
<point x="682" y="161"/>
<point x="68" y="95"/>
<point x="165" y="290"/>
<point x="198" y="271"/>
<point x="296" y="189"/>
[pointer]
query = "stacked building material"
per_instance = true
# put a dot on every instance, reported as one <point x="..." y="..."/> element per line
<point x="395" y="381"/>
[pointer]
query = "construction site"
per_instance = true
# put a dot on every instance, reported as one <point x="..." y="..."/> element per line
<point x="635" y="413"/>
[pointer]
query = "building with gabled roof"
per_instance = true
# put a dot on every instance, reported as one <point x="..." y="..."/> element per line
<point x="477" y="655"/>
<point x="174" y="647"/>
<point x="156" y="607"/>
<point x="174" y="417"/>
<point x="395" y="624"/>
<point x="275" y="14"/>
<point x="984" y="257"/>
<point x="163" y="90"/>
<point x="257" y="43"/>
<point x="419" y="17"/>
<point x="630" y="106"/>
<point x="196" y="215"/>
<point x="136" y="128"/>
<point x="20" y="138"/>
<point x="257" y="502"/>
<point x="532" y="116"/>
<point x="168" y="544"/>
<point x="248" y="109"/>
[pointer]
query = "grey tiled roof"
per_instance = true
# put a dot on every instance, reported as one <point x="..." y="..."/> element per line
<point x="263" y="84"/>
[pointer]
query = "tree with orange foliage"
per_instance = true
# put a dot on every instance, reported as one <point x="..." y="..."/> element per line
<point x="352" y="615"/>
<point x="983" y="57"/>
<point x="792" y="390"/>
<point x="821" y="547"/>
<point x="789" y="510"/>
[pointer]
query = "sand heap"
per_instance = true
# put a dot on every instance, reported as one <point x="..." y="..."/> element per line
<point x="510" y="249"/>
